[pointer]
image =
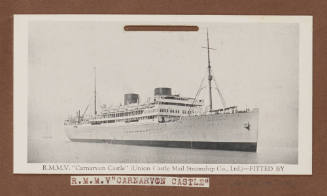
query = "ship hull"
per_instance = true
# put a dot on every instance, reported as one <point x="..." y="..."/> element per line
<point x="233" y="146"/>
<point x="237" y="132"/>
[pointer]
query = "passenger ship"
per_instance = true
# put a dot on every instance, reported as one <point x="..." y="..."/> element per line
<point x="169" y="120"/>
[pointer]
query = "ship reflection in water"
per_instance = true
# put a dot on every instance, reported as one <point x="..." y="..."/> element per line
<point x="55" y="150"/>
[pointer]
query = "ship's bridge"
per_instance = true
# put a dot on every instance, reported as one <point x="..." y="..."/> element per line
<point x="179" y="101"/>
<point x="164" y="96"/>
<point x="173" y="106"/>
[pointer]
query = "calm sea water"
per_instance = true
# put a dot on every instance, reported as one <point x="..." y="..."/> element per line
<point x="44" y="150"/>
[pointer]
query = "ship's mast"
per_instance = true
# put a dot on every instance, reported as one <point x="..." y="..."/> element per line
<point x="209" y="72"/>
<point x="95" y="91"/>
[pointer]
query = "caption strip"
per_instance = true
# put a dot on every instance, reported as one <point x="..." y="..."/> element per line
<point x="207" y="169"/>
<point x="140" y="180"/>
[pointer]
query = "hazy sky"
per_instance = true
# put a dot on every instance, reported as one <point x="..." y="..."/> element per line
<point x="255" y="65"/>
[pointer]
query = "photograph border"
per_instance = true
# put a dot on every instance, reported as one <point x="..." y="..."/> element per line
<point x="20" y="91"/>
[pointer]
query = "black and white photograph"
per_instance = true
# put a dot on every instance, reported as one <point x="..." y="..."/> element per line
<point x="211" y="90"/>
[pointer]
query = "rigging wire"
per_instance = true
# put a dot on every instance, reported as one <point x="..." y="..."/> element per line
<point x="196" y="95"/>
<point x="220" y="93"/>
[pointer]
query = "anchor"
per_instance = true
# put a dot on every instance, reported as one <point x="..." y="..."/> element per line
<point x="247" y="126"/>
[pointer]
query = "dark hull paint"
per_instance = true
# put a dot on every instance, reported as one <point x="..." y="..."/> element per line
<point x="234" y="146"/>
